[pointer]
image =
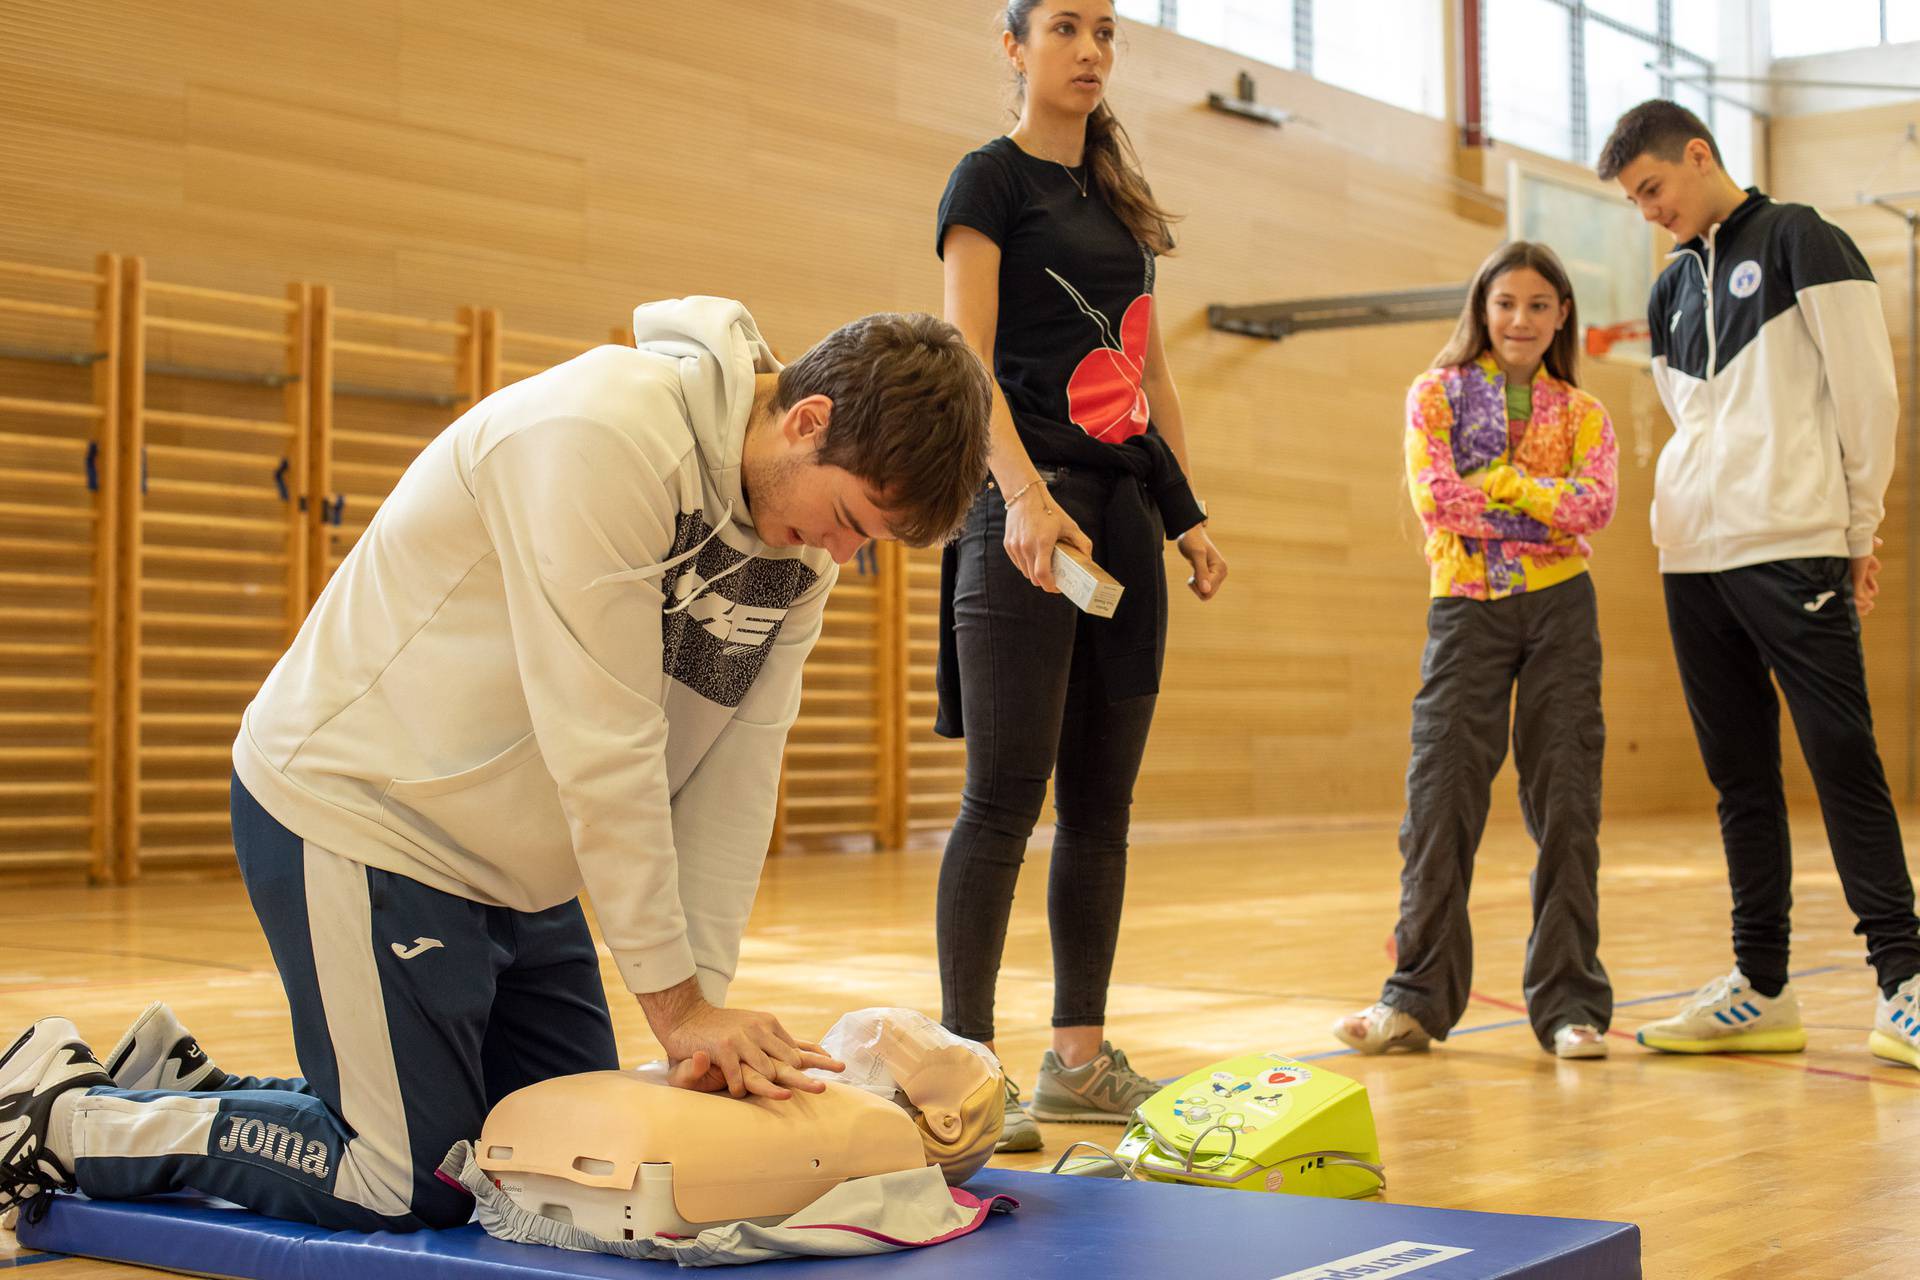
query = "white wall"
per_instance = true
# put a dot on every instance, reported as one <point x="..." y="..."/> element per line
<point x="1884" y="64"/>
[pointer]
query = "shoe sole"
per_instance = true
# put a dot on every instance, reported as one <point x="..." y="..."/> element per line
<point x="1786" y="1041"/>
<point x="1406" y="1044"/>
<point x="1027" y="1141"/>
<point x="1583" y="1051"/>
<point x="1889" y="1049"/>
<point x="18" y="1062"/>
<point x="1088" y="1116"/>
<point x="116" y="1061"/>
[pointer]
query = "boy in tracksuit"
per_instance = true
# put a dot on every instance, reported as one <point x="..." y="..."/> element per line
<point x="1771" y="355"/>
<point x="564" y="656"/>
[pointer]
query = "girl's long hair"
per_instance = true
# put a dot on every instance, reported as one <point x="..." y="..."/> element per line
<point x="1471" y="338"/>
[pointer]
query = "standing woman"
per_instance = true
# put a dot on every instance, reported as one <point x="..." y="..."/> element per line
<point x="1511" y="466"/>
<point x="1049" y="237"/>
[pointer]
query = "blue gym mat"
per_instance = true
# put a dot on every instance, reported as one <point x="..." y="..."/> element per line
<point x="1064" y="1225"/>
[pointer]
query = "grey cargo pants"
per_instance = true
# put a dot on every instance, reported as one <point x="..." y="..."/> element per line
<point x="1546" y="645"/>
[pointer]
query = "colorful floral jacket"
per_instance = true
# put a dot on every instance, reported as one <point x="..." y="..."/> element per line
<point x="1497" y="522"/>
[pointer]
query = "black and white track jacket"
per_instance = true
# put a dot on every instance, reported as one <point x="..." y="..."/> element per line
<point x="1771" y="354"/>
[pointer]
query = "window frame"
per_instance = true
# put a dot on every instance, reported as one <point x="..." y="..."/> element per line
<point x="1665" y="55"/>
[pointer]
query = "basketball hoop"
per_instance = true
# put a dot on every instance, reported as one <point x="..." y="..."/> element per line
<point x="1601" y="338"/>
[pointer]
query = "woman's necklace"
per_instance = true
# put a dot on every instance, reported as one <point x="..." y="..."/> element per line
<point x="1080" y="184"/>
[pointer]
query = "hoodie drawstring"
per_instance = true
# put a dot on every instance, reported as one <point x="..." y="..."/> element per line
<point x="644" y="572"/>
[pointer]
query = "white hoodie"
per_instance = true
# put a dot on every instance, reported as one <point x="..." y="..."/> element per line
<point x="560" y="657"/>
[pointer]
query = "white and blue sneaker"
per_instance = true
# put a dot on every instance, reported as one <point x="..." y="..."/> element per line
<point x="1896" y="1025"/>
<point x="1729" y="1016"/>
<point x="46" y="1062"/>
<point x="158" y="1053"/>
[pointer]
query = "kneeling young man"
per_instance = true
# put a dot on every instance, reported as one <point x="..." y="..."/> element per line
<point x="564" y="655"/>
<point x="1770" y="351"/>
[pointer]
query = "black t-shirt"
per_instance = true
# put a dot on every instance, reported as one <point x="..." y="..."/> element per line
<point x="1070" y="355"/>
<point x="1076" y="299"/>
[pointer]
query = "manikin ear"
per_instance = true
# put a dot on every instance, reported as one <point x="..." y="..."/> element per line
<point x="805" y="424"/>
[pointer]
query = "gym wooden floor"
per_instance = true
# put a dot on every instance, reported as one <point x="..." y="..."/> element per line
<point x="1790" y="1165"/>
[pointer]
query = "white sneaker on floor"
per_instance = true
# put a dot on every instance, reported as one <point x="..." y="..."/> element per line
<point x="1579" y="1040"/>
<point x="1380" y="1027"/>
<point x="158" y="1053"/>
<point x="43" y="1064"/>
<point x="1729" y="1016"/>
<point x="1896" y="1025"/>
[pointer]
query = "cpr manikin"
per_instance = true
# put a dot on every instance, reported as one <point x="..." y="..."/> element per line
<point x="622" y="1155"/>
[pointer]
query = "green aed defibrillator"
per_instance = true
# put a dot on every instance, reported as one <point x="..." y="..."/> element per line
<point x="1260" y="1122"/>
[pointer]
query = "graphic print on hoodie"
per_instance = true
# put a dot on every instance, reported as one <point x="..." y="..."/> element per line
<point x="723" y="612"/>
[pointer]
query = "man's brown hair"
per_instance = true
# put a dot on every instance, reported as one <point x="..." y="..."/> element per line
<point x="911" y="404"/>
<point x="1658" y="128"/>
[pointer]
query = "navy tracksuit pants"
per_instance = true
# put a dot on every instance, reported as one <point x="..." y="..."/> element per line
<point x="414" y="1011"/>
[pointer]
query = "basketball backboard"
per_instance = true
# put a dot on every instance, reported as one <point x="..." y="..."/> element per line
<point x="1606" y="246"/>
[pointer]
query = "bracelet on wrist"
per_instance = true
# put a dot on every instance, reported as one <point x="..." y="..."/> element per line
<point x="1021" y="492"/>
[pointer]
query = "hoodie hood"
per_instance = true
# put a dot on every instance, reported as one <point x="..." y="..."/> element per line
<point x="719" y="350"/>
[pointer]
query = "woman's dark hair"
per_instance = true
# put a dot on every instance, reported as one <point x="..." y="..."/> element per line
<point x="1111" y="159"/>
<point x="1471" y="339"/>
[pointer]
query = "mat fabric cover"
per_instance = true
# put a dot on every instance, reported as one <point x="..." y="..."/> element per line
<point x="883" y="1214"/>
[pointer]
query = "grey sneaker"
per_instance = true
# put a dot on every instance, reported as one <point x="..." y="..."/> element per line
<point x="1018" y="1132"/>
<point x="1103" y="1091"/>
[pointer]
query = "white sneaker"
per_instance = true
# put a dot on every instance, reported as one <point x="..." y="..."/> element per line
<point x="1579" y="1040"/>
<point x="1896" y="1025"/>
<point x="1729" y="1016"/>
<point x="158" y="1053"/>
<point x="46" y="1062"/>
<point x="1380" y="1027"/>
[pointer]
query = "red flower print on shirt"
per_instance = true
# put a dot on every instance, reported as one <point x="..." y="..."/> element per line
<point x="1105" y="397"/>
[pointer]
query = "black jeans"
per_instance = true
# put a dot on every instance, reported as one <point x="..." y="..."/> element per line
<point x="1793" y="619"/>
<point x="1035" y="707"/>
<point x="1538" y="651"/>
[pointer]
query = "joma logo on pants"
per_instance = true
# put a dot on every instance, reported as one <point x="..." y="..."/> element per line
<point x="278" y="1144"/>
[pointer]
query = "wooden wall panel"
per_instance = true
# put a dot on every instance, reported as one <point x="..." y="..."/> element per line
<point x="384" y="386"/>
<point x="422" y="155"/>
<point x="214" y="557"/>
<point x="57" y="439"/>
<point x="836" y="784"/>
